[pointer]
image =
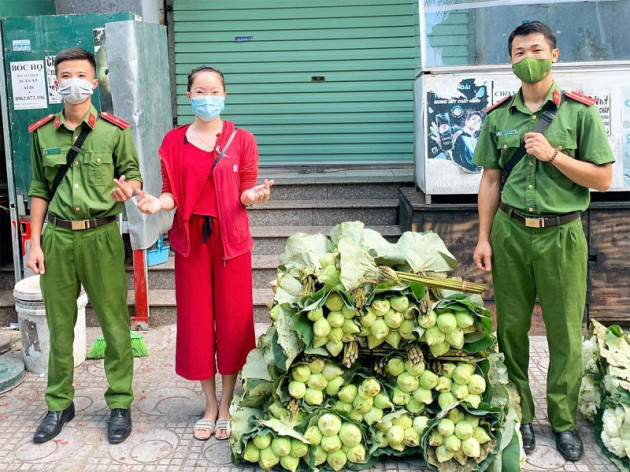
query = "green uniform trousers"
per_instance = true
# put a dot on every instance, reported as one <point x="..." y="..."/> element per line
<point x="551" y="263"/>
<point x="94" y="258"/>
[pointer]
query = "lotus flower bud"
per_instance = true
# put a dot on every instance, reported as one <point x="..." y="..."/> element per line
<point x="404" y="421"/>
<point x="379" y="329"/>
<point x="319" y="341"/>
<point x="416" y="369"/>
<point x="400" y="304"/>
<point x="331" y="371"/>
<point x="381" y="438"/>
<point x="446" y="427"/>
<point x="373" y="416"/>
<point x="407" y="382"/>
<point x="268" y="458"/>
<point x="406" y="330"/>
<point x="331" y="443"/>
<point x="370" y="387"/>
<point x="334" y="302"/>
<point x="341" y="406"/>
<point x="456" y="415"/>
<point x="350" y="434"/>
<point x="281" y="446"/>
<point x="395" y="366"/>
<point x="423" y="395"/>
<point x="399" y="397"/>
<point x="334" y="347"/>
<point x="382" y="401"/>
<point x="446" y="322"/>
<point x="393" y="319"/>
<point x="412" y="438"/>
<point x="462" y="374"/>
<point x="414" y="406"/>
<point x="313" y="435"/>
<point x="453" y="443"/>
<point x="317" y="382"/>
<point x="330" y="276"/>
<point x="384" y="425"/>
<point x="432" y="335"/>
<point x="335" y="319"/>
<point x="435" y="438"/>
<point x="368" y="319"/>
<point x="444" y="384"/>
<point x="463" y="430"/>
<point x="473" y="399"/>
<point x="356" y="454"/>
<point x="428" y="380"/>
<point x="420" y="423"/>
<point x="442" y="454"/>
<point x="473" y="420"/>
<point x="439" y="349"/>
<point x="316" y="314"/>
<point x="427" y="321"/>
<point x="373" y="341"/>
<point x="362" y="404"/>
<point x="319" y="454"/>
<point x="464" y="319"/>
<point x="455" y="338"/>
<point x="290" y="463"/>
<point x="334" y="386"/>
<point x="446" y="399"/>
<point x="329" y="424"/>
<point x="337" y="460"/>
<point x="313" y="397"/>
<point x="328" y="259"/>
<point x="262" y="441"/>
<point x="460" y="391"/>
<point x="393" y="339"/>
<point x="471" y="447"/>
<point x="381" y="307"/>
<point x="477" y="384"/>
<point x="481" y="435"/>
<point x="460" y="457"/>
<point x="447" y="369"/>
<point x="296" y="390"/>
<point x="301" y="373"/>
<point x="350" y="327"/>
<point x="348" y="393"/>
<point x="321" y="328"/>
<point x="395" y="435"/>
<point x="349" y="313"/>
<point x="356" y="416"/>
<point x="278" y="410"/>
<point x="251" y="454"/>
<point x="317" y="365"/>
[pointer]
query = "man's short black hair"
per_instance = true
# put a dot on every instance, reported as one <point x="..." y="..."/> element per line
<point x="75" y="54"/>
<point x="533" y="27"/>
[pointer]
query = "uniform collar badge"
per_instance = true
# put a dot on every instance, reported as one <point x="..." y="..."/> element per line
<point x="57" y="122"/>
<point x="92" y="120"/>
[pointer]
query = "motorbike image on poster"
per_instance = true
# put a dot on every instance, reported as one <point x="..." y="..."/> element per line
<point x="454" y="122"/>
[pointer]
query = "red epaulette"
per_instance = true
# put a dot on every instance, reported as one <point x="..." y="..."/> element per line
<point x="40" y="123"/>
<point x="578" y="97"/>
<point x="499" y="103"/>
<point x="122" y="124"/>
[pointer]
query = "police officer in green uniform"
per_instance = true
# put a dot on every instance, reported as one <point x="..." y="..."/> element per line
<point x="82" y="243"/>
<point x="538" y="245"/>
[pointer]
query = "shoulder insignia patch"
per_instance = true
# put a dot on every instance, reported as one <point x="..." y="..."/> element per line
<point x="122" y="124"/>
<point x="578" y="97"/>
<point x="40" y="123"/>
<point x="498" y="104"/>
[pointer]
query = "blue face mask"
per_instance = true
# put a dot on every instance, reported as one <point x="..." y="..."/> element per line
<point x="207" y="107"/>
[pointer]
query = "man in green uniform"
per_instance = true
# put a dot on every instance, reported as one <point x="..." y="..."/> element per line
<point x="538" y="246"/>
<point x="82" y="243"/>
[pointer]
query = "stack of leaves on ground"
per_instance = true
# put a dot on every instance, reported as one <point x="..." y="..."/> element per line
<point x="374" y="351"/>
<point x="605" y="391"/>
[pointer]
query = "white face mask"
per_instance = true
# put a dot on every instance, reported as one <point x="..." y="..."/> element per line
<point x="75" y="90"/>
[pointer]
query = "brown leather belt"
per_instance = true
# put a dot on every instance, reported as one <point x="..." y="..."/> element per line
<point x="540" y="222"/>
<point x="80" y="225"/>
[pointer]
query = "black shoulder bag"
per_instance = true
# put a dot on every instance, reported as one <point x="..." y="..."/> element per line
<point x="72" y="154"/>
<point x="545" y="120"/>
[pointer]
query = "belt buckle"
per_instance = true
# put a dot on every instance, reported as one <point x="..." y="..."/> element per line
<point x="535" y="222"/>
<point x="79" y="225"/>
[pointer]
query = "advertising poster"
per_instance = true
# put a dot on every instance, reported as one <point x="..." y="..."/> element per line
<point x="102" y="70"/>
<point x="454" y="122"/>
<point x="625" y="94"/>
<point x="29" y="85"/>
<point x="51" y="80"/>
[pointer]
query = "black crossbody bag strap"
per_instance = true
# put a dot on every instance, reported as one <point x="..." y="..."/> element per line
<point x="223" y="151"/>
<point x="72" y="154"/>
<point x="545" y="120"/>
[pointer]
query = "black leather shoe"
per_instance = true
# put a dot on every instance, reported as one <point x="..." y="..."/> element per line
<point x="570" y="445"/>
<point x="529" y="440"/>
<point x="119" y="426"/>
<point x="52" y="424"/>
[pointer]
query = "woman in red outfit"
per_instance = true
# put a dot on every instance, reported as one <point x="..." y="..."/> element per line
<point x="209" y="172"/>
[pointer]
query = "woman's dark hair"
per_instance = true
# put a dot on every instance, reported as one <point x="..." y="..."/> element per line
<point x="533" y="27"/>
<point x="194" y="72"/>
<point x="75" y="54"/>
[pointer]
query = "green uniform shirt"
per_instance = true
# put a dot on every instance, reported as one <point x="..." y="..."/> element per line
<point x="84" y="192"/>
<point x="535" y="187"/>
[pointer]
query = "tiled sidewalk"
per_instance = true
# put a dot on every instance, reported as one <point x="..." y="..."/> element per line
<point x="164" y="411"/>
